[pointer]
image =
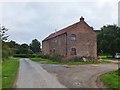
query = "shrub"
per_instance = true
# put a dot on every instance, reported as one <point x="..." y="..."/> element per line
<point x="56" y="57"/>
<point x="25" y="55"/>
<point x="76" y="59"/>
<point x="109" y="56"/>
<point x="45" y="56"/>
<point x="53" y="57"/>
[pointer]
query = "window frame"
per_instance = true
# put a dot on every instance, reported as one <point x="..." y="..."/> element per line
<point x="73" y="37"/>
<point x="73" y="51"/>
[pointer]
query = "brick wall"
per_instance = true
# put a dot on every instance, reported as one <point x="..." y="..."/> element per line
<point x="85" y="43"/>
<point x="55" y="45"/>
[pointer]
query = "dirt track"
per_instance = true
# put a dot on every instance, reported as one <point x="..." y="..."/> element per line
<point x="83" y="76"/>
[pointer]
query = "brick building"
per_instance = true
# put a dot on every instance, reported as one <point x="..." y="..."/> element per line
<point x="78" y="39"/>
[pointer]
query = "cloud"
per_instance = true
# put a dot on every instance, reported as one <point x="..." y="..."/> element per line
<point x="29" y="20"/>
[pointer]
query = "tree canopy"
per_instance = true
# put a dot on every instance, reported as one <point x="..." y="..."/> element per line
<point x="3" y="34"/>
<point x="108" y="40"/>
<point x="35" y="46"/>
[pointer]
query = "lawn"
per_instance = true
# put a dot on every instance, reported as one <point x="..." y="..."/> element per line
<point x="46" y="61"/>
<point x="9" y="72"/>
<point x="111" y="79"/>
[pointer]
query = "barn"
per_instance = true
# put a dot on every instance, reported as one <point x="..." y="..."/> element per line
<point x="78" y="39"/>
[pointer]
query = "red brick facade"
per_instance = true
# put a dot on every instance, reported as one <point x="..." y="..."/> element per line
<point x="78" y="39"/>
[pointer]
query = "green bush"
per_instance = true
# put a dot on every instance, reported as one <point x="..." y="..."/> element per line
<point x="109" y="56"/>
<point x="5" y="54"/>
<point x="6" y="51"/>
<point x="56" y="57"/>
<point x="25" y="55"/>
<point x="76" y="59"/>
<point x="45" y="56"/>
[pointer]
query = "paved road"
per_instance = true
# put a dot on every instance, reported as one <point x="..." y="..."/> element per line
<point x="82" y="76"/>
<point x="32" y="75"/>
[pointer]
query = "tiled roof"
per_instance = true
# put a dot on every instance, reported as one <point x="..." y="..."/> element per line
<point x="62" y="31"/>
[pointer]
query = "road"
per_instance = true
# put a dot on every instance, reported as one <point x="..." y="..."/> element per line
<point x="37" y="75"/>
<point x="32" y="75"/>
<point x="82" y="76"/>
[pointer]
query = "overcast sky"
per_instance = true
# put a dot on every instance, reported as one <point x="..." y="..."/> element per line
<point x="29" y="20"/>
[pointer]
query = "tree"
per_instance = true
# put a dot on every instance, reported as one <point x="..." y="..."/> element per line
<point x="5" y="51"/>
<point x="23" y="49"/>
<point x="3" y="34"/>
<point x="14" y="47"/>
<point x="35" y="46"/>
<point x="108" y="39"/>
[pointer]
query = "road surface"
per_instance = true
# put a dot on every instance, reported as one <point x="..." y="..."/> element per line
<point x="82" y="76"/>
<point x="32" y="75"/>
<point x="35" y="75"/>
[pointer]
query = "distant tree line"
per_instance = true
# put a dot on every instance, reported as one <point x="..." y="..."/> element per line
<point x="11" y="48"/>
<point x="14" y="48"/>
<point x="108" y="40"/>
<point x="108" y="43"/>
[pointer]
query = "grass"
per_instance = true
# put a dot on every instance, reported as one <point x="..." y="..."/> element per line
<point x="103" y="57"/>
<point x="111" y="79"/>
<point x="38" y="59"/>
<point x="0" y="75"/>
<point x="46" y="61"/>
<point x="9" y="72"/>
<point x="71" y="63"/>
<point x="108" y="58"/>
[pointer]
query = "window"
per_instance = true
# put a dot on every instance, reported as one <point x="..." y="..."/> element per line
<point x="55" y="41"/>
<point x="73" y="37"/>
<point x="73" y="51"/>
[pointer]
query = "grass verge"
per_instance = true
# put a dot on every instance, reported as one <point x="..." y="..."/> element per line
<point x="38" y="59"/>
<point x="0" y="75"/>
<point x="70" y="63"/>
<point x="111" y="79"/>
<point x="46" y="61"/>
<point x="9" y="72"/>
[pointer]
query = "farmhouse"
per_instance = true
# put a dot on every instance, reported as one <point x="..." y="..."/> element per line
<point x="78" y="39"/>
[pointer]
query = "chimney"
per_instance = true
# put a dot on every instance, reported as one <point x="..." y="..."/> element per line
<point x="81" y="19"/>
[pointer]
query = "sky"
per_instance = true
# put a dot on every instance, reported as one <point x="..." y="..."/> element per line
<point x="27" y="20"/>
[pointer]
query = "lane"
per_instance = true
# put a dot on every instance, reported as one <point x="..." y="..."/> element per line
<point x="32" y="75"/>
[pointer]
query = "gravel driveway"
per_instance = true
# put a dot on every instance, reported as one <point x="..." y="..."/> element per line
<point x="37" y="75"/>
<point x="32" y="75"/>
<point x="83" y="76"/>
